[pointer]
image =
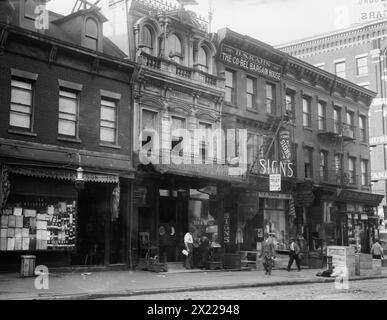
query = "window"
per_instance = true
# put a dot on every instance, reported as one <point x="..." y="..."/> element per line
<point x="270" y="98"/>
<point x="308" y="163"/>
<point x="177" y="123"/>
<point x="29" y="9"/>
<point x="253" y="145"/>
<point x="340" y="69"/>
<point x="350" y="129"/>
<point x="147" y="40"/>
<point x="68" y="113"/>
<point x="91" y="34"/>
<point x="250" y="93"/>
<point x="176" y="52"/>
<point x="337" y="120"/>
<point x="364" y="172"/>
<point x="322" y="116"/>
<point x="362" y="66"/>
<point x="108" y="124"/>
<point x="230" y="79"/>
<point x="362" y="129"/>
<point x="202" y="59"/>
<point x="306" y="110"/>
<point x="290" y="105"/>
<point x="352" y="170"/>
<point x="324" y="165"/>
<point x="149" y="126"/>
<point x="21" y="104"/>
<point x="338" y="163"/>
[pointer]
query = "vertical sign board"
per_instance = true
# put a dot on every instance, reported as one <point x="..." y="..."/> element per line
<point x="343" y="257"/>
<point x="275" y="182"/>
<point x="226" y="228"/>
<point x="285" y="148"/>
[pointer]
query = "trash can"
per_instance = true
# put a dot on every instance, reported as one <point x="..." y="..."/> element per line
<point x="27" y="268"/>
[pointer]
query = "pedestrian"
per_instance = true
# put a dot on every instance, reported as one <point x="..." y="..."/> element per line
<point x="268" y="253"/>
<point x="377" y="250"/>
<point x="294" y="254"/>
<point x="188" y="243"/>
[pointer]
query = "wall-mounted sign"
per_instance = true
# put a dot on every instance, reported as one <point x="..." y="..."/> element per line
<point x="378" y="140"/>
<point x="249" y="62"/>
<point x="226" y="228"/>
<point x="284" y="142"/>
<point x="269" y="195"/>
<point x="275" y="182"/>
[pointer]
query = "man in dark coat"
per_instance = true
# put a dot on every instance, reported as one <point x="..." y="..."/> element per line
<point x="294" y="254"/>
<point x="268" y="253"/>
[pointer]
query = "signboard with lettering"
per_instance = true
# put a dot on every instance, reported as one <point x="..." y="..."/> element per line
<point x="275" y="182"/>
<point x="226" y="228"/>
<point x="284" y="142"/>
<point x="249" y="62"/>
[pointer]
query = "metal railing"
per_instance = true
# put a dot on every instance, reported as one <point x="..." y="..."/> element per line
<point x="327" y="126"/>
<point x="339" y="178"/>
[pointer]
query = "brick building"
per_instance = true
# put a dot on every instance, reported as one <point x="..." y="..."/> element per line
<point x="65" y="138"/>
<point x="358" y="55"/>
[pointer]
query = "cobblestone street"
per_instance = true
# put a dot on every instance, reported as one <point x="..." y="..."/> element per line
<point x="358" y="290"/>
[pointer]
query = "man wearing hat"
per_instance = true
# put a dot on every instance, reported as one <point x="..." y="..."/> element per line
<point x="294" y="254"/>
<point x="268" y="253"/>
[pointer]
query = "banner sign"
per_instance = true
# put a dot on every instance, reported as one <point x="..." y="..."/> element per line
<point x="249" y="62"/>
<point x="285" y="148"/>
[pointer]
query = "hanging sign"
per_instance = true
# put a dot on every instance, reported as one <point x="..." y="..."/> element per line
<point x="249" y="62"/>
<point x="284" y="142"/>
<point x="275" y="182"/>
<point x="226" y="228"/>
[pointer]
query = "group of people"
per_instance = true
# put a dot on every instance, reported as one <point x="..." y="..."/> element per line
<point x="269" y="253"/>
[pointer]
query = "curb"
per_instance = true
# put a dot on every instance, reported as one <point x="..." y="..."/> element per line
<point x="139" y="293"/>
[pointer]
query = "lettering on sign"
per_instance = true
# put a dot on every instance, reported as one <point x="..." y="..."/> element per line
<point x="275" y="182"/>
<point x="250" y="62"/>
<point x="284" y="141"/>
<point x="226" y="228"/>
<point x="378" y="140"/>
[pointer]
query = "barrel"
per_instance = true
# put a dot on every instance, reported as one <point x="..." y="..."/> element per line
<point x="27" y="266"/>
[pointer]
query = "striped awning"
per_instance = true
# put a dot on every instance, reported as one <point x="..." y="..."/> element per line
<point x="60" y="174"/>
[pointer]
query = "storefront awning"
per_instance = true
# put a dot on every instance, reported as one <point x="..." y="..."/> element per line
<point x="60" y="174"/>
<point x="367" y="198"/>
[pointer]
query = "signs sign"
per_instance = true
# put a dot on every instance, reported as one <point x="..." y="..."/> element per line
<point x="275" y="182"/>
<point x="226" y="228"/>
<point x="249" y="62"/>
<point x="284" y="141"/>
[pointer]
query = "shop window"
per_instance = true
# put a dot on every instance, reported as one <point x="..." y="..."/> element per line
<point x="21" y="109"/>
<point x="270" y="98"/>
<point x="68" y="113"/>
<point x="91" y="34"/>
<point x="251" y="85"/>
<point x="230" y="85"/>
<point x="276" y="221"/>
<point x="322" y="121"/>
<point x="362" y="66"/>
<point x="307" y="112"/>
<point x="108" y="122"/>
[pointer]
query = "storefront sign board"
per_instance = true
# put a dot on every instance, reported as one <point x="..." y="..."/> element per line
<point x="275" y="182"/>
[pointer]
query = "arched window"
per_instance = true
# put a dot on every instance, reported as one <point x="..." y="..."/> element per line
<point x="147" y="39"/>
<point x="202" y="59"/>
<point x="175" y="48"/>
<point x="91" y="34"/>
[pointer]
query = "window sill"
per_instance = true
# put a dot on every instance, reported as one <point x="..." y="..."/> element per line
<point x="111" y="146"/>
<point x="308" y="129"/>
<point x="230" y="104"/>
<point x="22" y="133"/>
<point x="72" y="140"/>
<point x="252" y="110"/>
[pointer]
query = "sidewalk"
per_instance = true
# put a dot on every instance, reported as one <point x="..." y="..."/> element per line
<point x="98" y="285"/>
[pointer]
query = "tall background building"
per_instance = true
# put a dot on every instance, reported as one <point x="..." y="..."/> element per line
<point x="358" y="54"/>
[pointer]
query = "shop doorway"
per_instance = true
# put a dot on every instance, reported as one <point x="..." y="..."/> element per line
<point x="168" y="230"/>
